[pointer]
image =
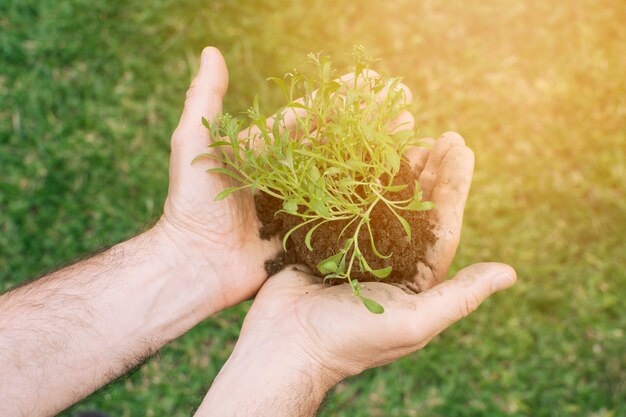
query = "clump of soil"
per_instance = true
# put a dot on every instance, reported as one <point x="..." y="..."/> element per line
<point x="389" y="236"/>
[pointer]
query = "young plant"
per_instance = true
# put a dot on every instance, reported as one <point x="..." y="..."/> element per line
<point x="336" y="163"/>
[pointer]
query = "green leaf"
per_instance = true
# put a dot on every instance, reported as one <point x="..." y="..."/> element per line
<point x="372" y="305"/>
<point x="290" y="206"/>
<point x="332" y="87"/>
<point x="308" y="237"/>
<point x="342" y="264"/>
<point x="381" y="273"/>
<point x="309" y="234"/>
<point x="320" y="208"/>
<point x="225" y="171"/>
<point x="378" y="273"/>
<point x="368" y="132"/>
<point x="314" y="173"/>
<point x="276" y="123"/>
<point x="296" y="105"/>
<point x="204" y="155"/>
<point x="373" y="245"/>
<point x="330" y="264"/>
<point x="347" y="244"/>
<point x="327" y="267"/>
<point x="226" y="192"/>
<point x="395" y="188"/>
<point x="293" y="229"/>
<point x="393" y="159"/>
<point x="289" y="154"/>
<point x="384" y="138"/>
<point x="356" y="164"/>
<point x="219" y="143"/>
<point x="332" y="171"/>
<point x="404" y="222"/>
<point x="427" y="205"/>
<point x="281" y="84"/>
<point x="417" y="205"/>
<point x="403" y="136"/>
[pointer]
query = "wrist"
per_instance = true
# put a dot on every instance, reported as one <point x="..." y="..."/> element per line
<point x="271" y="376"/>
<point x="191" y="271"/>
<point x="161" y="286"/>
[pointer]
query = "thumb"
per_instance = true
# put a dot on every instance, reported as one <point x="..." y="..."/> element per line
<point x="204" y="99"/>
<point x="454" y="299"/>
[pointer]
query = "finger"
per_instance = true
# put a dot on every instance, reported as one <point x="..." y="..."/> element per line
<point x="288" y="117"/>
<point x="204" y="99"/>
<point x="364" y="79"/>
<point x="428" y="177"/>
<point x="418" y="155"/>
<point x="450" y="195"/>
<point x="403" y="121"/>
<point x="406" y="92"/>
<point x="452" y="300"/>
<point x="292" y="277"/>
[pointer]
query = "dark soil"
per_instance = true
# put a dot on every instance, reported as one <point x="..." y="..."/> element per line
<point x="389" y="236"/>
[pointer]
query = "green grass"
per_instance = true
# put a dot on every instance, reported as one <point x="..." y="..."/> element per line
<point x="91" y="91"/>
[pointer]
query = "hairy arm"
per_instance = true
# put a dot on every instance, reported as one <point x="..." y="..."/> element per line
<point x="68" y="333"/>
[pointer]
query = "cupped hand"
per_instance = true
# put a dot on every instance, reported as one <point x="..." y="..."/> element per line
<point x="327" y="327"/>
<point x="217" y="243"/>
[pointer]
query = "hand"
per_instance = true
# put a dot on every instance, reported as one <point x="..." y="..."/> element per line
<point x="327" y="328"/>
<point x="216" y="243"/>
<point x="312" y="335"/>
<point x="219" y="240"/>
<point x="337" y="331"/>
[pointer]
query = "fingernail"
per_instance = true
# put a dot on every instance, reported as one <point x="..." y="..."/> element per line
<point x="501" y="282"/>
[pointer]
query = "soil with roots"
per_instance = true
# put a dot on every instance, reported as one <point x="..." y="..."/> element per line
<point x="389" y="236"/>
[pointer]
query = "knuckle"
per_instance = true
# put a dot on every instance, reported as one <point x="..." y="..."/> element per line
<point x="193" y="89"/>
<point x="450" y="237"/>
<point x="470" y="303"/>
<point x="178" y="138"/>
<point x="452" y="138"/>
<point x="191" y="92"/>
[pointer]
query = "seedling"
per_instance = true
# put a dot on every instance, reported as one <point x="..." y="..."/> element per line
<point x="335" y="162"/>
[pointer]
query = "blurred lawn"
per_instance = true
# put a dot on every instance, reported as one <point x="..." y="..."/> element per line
<point x="90" y="92"/>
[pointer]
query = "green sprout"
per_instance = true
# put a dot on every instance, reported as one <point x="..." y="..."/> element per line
<point x="336" y="163"/>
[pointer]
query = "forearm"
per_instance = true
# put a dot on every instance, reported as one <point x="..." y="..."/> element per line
<point x="69" y="333"/>
<point x="264" y="380"/>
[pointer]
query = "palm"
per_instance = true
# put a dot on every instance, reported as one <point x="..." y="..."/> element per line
<point x="326" y="314"/>
<point x="222" y="237"/>
<point x="219" y="238"/>
<point x="334" y="326"/>
<point x="445" y="174"/>
<point x="225" y="233"/>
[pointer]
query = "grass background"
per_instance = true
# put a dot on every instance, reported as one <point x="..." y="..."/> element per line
<point x="90" y="92"/>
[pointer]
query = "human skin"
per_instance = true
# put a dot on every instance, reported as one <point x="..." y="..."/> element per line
<point x="302" y="337"/>
<point x="72" y="331"/>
